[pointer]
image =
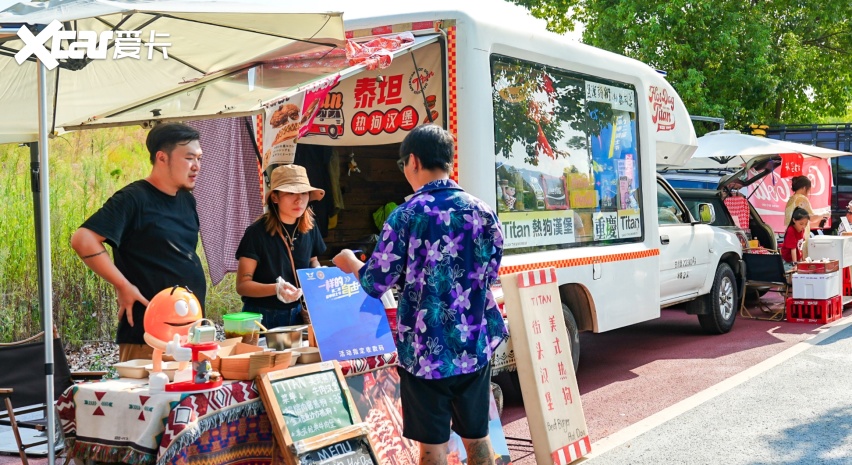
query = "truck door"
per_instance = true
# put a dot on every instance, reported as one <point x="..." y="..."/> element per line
<point x="684" y="248"/>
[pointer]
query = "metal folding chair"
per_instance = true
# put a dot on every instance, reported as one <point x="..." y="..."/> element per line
<point x="766" y="272"/>
<point x="23" y="390"/>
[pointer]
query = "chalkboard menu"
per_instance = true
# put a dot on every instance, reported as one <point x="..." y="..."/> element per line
<point x="312" y="412"/>
<point x="355" y="451"/>
<point x="312" y="404"/>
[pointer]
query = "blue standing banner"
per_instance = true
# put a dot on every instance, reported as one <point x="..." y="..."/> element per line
<point x="348" y="323"/>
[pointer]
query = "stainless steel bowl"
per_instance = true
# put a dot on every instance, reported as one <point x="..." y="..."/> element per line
<point x="284" y="337"/>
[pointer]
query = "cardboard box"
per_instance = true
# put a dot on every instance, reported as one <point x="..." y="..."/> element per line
<point x="816" y="286"/>
<point x="821" y="267"/>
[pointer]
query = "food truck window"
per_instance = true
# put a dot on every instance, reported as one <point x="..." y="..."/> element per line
<point x="567" y="160"/>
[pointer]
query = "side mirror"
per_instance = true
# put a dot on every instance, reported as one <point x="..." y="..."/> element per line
<point x="706" y="213"/>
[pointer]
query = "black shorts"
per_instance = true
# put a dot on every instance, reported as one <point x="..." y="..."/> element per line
<point x="428" y="406"/>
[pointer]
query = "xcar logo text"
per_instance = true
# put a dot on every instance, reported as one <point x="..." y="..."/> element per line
<point x="86" y="44"/>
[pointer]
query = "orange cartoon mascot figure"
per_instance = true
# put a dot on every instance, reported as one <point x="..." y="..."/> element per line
<point x="168" y="318"/>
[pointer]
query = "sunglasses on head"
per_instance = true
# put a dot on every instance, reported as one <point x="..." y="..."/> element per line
<point x="402" y="162"/>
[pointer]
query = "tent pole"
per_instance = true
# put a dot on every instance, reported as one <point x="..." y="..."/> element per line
<point x="35" y="184"/>
<point x="43" y="241"/>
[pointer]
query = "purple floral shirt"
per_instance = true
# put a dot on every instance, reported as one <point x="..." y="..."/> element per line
<point x="443" y="248"/>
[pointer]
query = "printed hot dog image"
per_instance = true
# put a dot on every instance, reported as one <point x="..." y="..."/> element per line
<point x="309" y="112"/>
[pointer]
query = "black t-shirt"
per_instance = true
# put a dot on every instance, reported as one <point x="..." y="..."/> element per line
<point x="153" y="236"/>
<point x="274" y="261"/>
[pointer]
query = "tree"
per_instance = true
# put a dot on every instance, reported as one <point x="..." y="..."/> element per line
<point x="746" y="61"/>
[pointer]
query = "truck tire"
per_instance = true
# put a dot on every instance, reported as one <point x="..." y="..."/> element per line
<point x="573" y="335"/>
<point x="721" y="302"/>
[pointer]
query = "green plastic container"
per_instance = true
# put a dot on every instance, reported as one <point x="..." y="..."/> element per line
<point x="242" y="325"/>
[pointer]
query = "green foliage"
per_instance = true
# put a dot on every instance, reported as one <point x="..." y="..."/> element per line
<point x="785" y="61"/>
<point x="558" y="13"/>
<point x="85" y="169"/>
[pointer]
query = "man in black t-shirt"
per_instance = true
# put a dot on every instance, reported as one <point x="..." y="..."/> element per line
<point x="152" y="227"/>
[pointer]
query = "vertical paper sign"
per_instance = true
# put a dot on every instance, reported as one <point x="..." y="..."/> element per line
<point x="791" y="164"/>
<point x="628" y="224"/>
<point x="546" y="372"/>
<point x="606" y="225"/>
<point x="280" y="131"/>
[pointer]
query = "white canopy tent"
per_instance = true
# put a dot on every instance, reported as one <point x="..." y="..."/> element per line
<point x="205" y="38"/>
<point x="200" y="38"/>
<point x="732" y="149"/>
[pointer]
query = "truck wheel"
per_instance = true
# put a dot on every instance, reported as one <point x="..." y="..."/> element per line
<point x="573" y="335"/>
<point x="721" y="302"/>
<point x="332" y="132"/>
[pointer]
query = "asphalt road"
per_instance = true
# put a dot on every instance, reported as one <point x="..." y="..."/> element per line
<point x="641" y="387"/>
<point x="793" y="409"/>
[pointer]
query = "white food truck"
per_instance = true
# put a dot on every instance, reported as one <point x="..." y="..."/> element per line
<point x="562" y="139"/>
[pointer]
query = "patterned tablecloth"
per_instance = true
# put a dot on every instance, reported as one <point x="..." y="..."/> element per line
<point x="113" y="421"/>
<point x="503" y="358"/>
<point x="120" y="421"/>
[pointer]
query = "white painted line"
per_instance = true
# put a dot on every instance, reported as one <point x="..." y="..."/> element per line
<point x="620" y="437"/>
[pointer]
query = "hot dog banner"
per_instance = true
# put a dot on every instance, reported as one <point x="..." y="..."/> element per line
<point x="381" y="106"/>
<point x="289" y="119"/>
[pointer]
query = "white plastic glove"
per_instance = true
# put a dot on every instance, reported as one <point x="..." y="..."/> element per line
<point x="181" y="354"/>
<point x="286" y="292"/>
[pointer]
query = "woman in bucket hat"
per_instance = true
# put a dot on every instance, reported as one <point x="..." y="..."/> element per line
<point x="281" y="241"/>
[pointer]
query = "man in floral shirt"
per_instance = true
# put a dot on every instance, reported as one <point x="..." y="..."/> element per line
<point x="442" y="247"/>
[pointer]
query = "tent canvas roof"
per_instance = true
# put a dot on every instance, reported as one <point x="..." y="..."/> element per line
<point x="204" y="38"/>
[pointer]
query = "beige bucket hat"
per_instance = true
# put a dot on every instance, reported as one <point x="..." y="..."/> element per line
<point x="293" y="179"/>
